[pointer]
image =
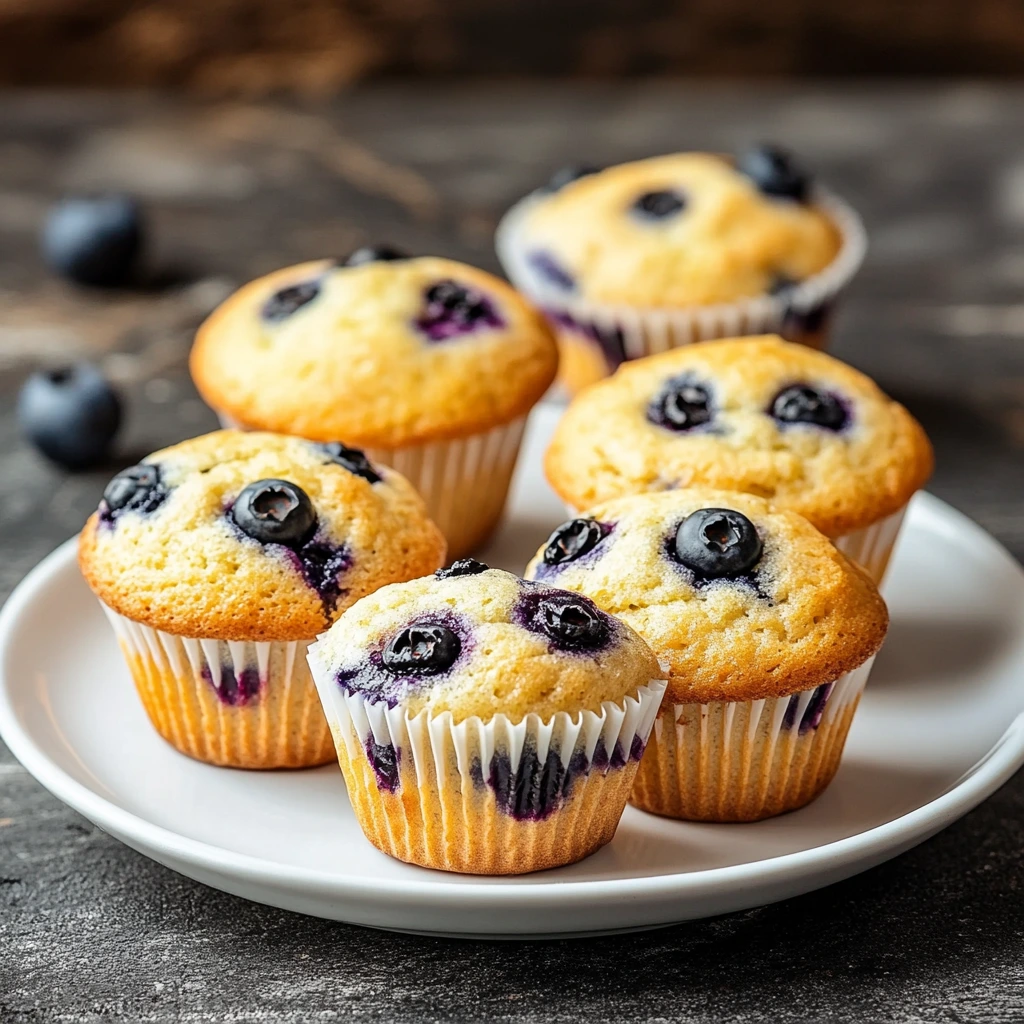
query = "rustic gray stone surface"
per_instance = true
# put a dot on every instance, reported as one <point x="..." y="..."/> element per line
<point x="91" y="931"/>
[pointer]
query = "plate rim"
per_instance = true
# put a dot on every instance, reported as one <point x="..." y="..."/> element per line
<point x="982" y="779"/>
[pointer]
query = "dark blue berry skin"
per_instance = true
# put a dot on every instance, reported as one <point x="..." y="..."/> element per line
<point x="717" y="543"/>
<point x="451" y="309"/>
<point x="682" y="404"/>
<point x="659" y="205"/>
<point x="135" y="489"/>
<point x="424" y="648"/>
<point x="385" y="761"/>
<point x="805" y="404"/>
<point x="462" y="567"/>
<point x="275" y="512"/>
<point x="283" y="303"/>
<point x="565" y="175"/>
<point x="373" y="254"/>
<point x="775" y="173"/>
<point x="571" y="622"/>
<point x="813" y="713"/>
<point x="547" y="267"/>
<point x="571" y="540"/>
<point x="71" y="415"/>
<point x="352" y="459"/>
<point x="235" y="691"/>
<point x="95" y="240"/>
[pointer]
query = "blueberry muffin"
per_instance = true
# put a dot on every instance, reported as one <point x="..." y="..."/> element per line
<point x="485" y="724"/>
<point x="219" y="560"/>
<point x="430" y="366"/>
<point x="661" y="252"/>
<point x="758" y="415"/>
<point x="766" y="629"/>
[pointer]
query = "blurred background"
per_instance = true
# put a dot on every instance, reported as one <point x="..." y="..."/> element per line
<point x="254" y="134"/>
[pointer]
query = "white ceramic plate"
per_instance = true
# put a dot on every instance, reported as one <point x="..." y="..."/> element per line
<point x="938" y="731"/>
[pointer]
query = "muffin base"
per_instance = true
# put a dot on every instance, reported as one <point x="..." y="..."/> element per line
<point x="595" y="338"/>
<point x="233" y="704"/>
<point x="490" y="798"/>
<point x="747" y="760"/>
<point x="464" y="481"/>
<point x="872" y="547"/>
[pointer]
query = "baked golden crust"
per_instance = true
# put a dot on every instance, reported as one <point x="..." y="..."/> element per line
<point x="605" y="446"/>
<point x="729" y="242"/>
<point x="352" y="364"/>
<point x="807" y="616"/>
<point x="505" y="668"/>
<point x="186" y="569"/>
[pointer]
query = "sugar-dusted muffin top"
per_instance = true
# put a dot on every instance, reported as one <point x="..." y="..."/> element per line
<point x="385" y="353"/>
<point x="253" y="536"/>
<point x="741" y="600"/>
<point x="479" y="641"/>
<point x="680" y="230"/>
<point x="759" y="415"/>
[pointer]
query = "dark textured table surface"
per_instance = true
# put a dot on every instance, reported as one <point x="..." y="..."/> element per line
<point x="91" y="931"/>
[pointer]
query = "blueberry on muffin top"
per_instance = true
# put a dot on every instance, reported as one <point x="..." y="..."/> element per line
<point x="253" y="536"/>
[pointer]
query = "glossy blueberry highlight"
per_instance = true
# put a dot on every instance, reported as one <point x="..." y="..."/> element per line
<point x="424" y="648"/>
<point x="462" y="567"/>
<point x="775" y="173"/>
<point x="352" y="459"/>
<point x="373" y="254"/>
<point x="135" y="489"/>
<point x="70" y="414"/>
<point x="571" y="540"/>
<point x="802" y="403"/>
<point x="717" y="542"/>
<point x="682" y="404"/>
<point x="95" y="240"/>
<point x="659" y="205"/>
<point x="570" y="621"/>
<point x="275" y="512"/>
<point x="283" y="303"/>
<point x="452" y="309"/>
<point x="568" y="174"/>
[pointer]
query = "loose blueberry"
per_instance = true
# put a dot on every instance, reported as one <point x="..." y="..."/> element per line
<point x="283" y="303"/>
<point x="659" y="205"/>
<point x="717" y="542"/>
<point x="352" y="459"/>
<point x="775" y="173"/>
<point x="573" y="172"/>
<point x="572" y="539"/>
<point x="71" y="415"/>
<point x="135" y="489"/>
<point x="275" y="512"/>
<point x="424" y="648"/>
<point x="682" y="404"/>
<point x="95" y="240"/>
<point x="802" y="403"/>
<point x="462" y="567"/>
<point x="373" y="254"/>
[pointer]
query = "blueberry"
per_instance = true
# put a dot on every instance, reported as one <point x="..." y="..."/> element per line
<point x="71" y="414"/>
<point x="462" y="567"/>
<point x="802" y="403"/>
<point x="94" y="240"/>
<point x="452" y="309"/>
<point x="682" y="404"/>
<point x="286" y="301"/>
<point x="275" y="512"/>
<point x="570" y="173"/>
<point x="352" y="459"/>
<point x="547" y="267"/>
<point x="717" y="542"/>
<point x="373" y="254"/>
<point x="424" y="648"/>
<point x="775" y="173"/>
<point x="572" y="539"/>
<point x="659" y="205"/>
<point x="572" y="623"/>
<point x="135" y="489"/>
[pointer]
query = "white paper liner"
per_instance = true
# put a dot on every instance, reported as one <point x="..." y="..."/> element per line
<point x="645" y="331"/>
<point x="441" y="761"/>
<point x="463" y="481"/>
<point x="872" y="546"/>
<point x="744" y="760"/>
<point x="188" y="695"/>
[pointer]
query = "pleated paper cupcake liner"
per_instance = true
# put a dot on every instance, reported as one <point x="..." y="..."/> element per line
<point x="490" y="798"/>
<point x="236" y="704"/>
<point x="747" y="760"/>
<point x="464" y="481"/>
<point x="595" y="338"/>
<point x="872" y="546"/>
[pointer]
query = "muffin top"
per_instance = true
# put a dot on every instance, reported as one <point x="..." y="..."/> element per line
<point x="477" y="641"/>
<point x="384" y="353"/>
<point x="253" y="536"/>
<point x="741" y="600"/>
<point x="679" y="230"/>
<point x="759" y="415"/>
